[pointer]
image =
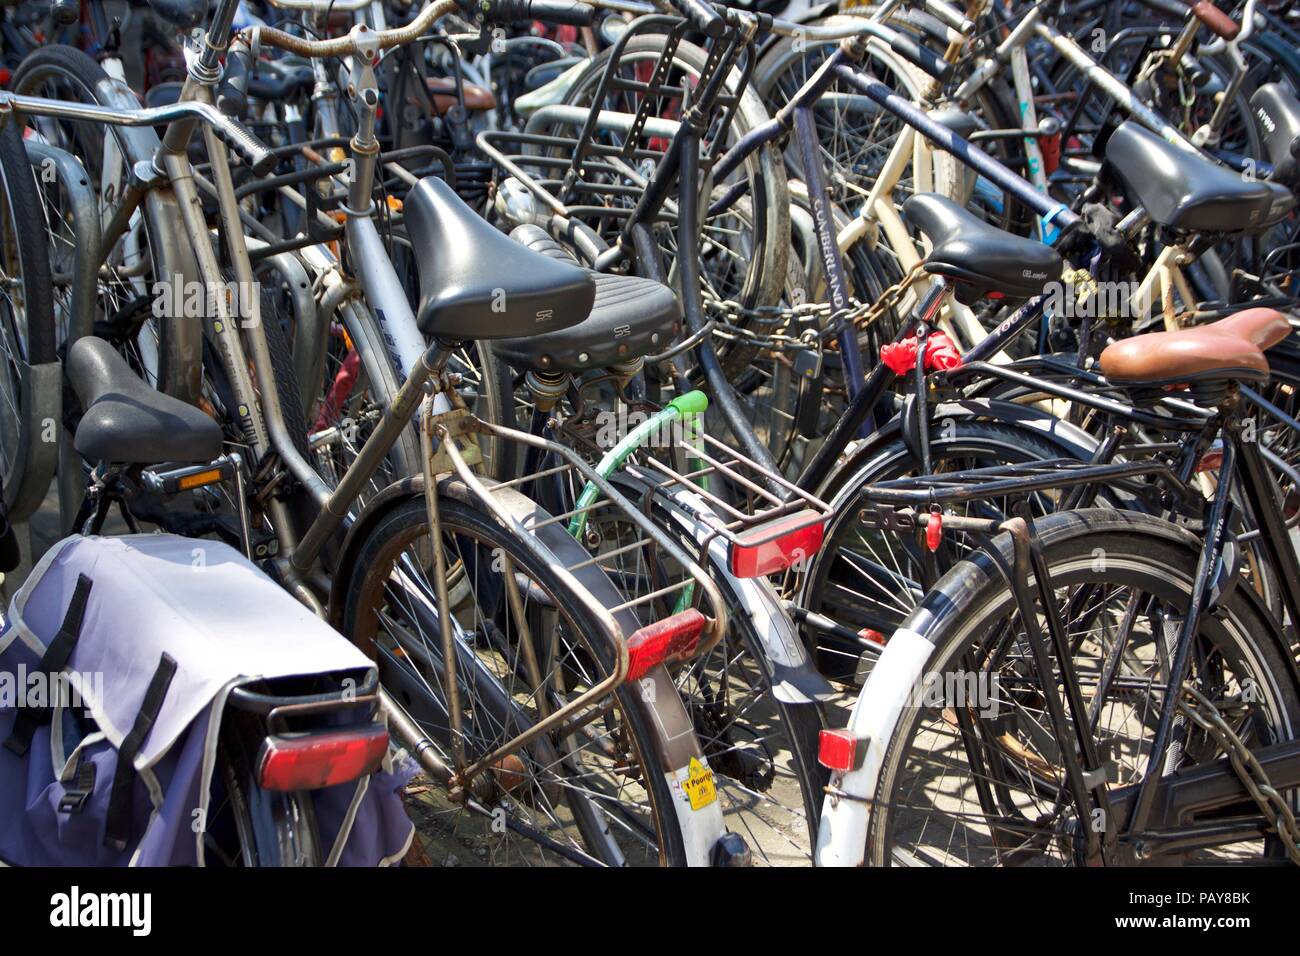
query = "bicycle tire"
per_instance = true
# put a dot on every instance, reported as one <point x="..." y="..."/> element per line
<point x="179" y="371"/>
<point x="1138" y="546"/>
<point x="406" y="524"/>
<point x="274" y="829"/>
<point x="28" y="333"/>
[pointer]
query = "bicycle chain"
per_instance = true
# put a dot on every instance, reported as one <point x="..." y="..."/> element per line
<point x="727" y="312"/>
<point x="1206" y="716"/>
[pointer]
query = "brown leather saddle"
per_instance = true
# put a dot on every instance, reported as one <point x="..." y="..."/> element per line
<point x="1204" y="358"/>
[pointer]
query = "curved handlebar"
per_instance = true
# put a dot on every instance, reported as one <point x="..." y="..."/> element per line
<point x="360" y="39"/>
<point x="251" y="150"/>
<point x="570" y="12"/>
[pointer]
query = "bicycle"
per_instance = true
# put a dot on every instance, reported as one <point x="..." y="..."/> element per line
<point x="1224" y="680"/>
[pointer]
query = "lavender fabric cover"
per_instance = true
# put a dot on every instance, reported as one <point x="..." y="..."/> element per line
<point x="224" y="622"/>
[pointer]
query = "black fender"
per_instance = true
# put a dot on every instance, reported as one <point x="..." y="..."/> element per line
<point x="375" y="509"/>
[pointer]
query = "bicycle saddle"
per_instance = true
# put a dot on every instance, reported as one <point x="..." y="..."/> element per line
<point x="631" y="317"/>
<point x="1183" y="191"/>
<point x="1231" y="349"/>
<point x="985" y="258"/>
<point x="443" y="90"/>
<point x="1277" y="115"/>
<point x="475" y="283"/>
<point x="127" y="421"/>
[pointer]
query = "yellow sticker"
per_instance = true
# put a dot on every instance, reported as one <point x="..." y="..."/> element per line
<point x="699" y="785"/>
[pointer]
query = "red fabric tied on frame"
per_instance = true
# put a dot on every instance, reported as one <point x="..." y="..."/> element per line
<point x="940" y="354"/>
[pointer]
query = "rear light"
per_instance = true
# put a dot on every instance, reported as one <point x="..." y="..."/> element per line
<point x="673" y="638"/>
<point x="775" y="545"/>
<point x="322" y="759"/>
<point x="840" y="750"/>
<point x="875" y="637"/>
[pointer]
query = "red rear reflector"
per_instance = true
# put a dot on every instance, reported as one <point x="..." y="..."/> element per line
<point x="775" y="545"/>
<point x="323" y="759"/>
<point x="875" y="637"/>
<point x="1212" y="460"/>
<point x="840" y="750"/>
<point x="934" y="531"/>
<point x="672" y="638"/>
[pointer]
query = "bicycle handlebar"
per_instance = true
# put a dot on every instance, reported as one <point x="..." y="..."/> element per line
<point x="254" y="153"/>
<point x="1170" y="8"/>
<point x="569" y="12"/>
<point x="1215" y="20"/>
<point x="359" y="40"/>
<point x="702" y="16"/>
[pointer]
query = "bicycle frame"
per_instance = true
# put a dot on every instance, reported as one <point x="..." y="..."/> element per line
<point x="1148" y="814"/>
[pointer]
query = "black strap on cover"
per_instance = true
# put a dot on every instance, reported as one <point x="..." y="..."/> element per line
<point x="117" y="824"/>
<point x="52" y="663"/>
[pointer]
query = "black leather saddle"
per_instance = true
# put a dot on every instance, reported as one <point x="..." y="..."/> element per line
<point x="1186" y="192"/>
<point x="632" y="317"/>
<point x="985" y="258"/>
<point x="127" y="421"/>
<point x="475" y="283"/>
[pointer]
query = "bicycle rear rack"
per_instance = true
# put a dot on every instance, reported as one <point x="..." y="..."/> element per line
<point x="640" y="631"/>
<point x="602" y="171"/>
<point x="767" y="522"/>
<point x="1011" y="481"/>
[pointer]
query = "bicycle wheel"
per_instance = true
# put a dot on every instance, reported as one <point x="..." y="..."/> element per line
<point x="152" y="258"/>
<point x="869" y="580"/>
<point x="981" y="783"/>
<point x="856" y="135"/>
<point x="358" y="384"/>
<point x="743" y="249"/>
<point x="26" y="333"/>
<point x="594" y="796"/>
<point x="262" y="828"/>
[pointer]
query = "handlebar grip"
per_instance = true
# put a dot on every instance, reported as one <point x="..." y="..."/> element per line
<point x="702" y="16"/>
<point x="950" y="16"/>
<point x="921" y="56"/>
<point x="256" y="154"/>
<point x="1170" y="8"/>
<point x="1215" y="20"/>
<point x="568" y="12"/>
<point x="232" y="95"/>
